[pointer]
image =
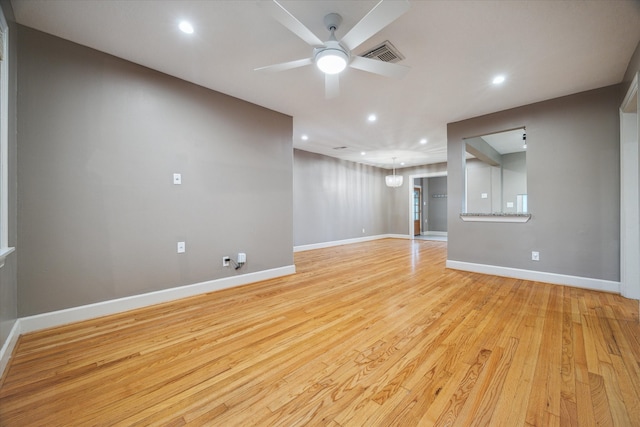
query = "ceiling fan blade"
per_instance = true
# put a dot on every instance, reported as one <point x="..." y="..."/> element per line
<point x="283" y="16"/>
<point x="376" y="66"/>
<point x="286" y="65"/>
<point x="331" y="85"/>
<point x="382" y="14"/>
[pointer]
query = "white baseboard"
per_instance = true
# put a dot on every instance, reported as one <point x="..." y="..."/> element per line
<point x="434" y="233"/>
<point x="538" y="276"/>
<point x="9" y="345"/>
<point x="348" y="242"/>
<point x="104" y="308"/>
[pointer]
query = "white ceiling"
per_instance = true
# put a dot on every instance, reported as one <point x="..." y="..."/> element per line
<point x="510" y="141"/>
<point x="546" y="49"/>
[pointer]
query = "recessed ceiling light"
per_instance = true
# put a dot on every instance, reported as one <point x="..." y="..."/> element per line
<point x="304" y="137"/>
<point x="186" y="27"/>
<point x="401" y="163"/>
<point x="372" y="118"/>
<point x="498" y="79"/>
<point x="423" y="141"/>
<point x="362" y="153"/>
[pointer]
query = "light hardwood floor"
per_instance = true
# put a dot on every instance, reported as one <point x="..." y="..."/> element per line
<point x="371" y="334"/>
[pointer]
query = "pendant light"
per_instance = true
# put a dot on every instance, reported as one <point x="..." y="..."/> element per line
<point x="394" y="180"/>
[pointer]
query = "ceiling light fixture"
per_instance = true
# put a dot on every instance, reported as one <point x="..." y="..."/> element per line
<point x="362" y="153"/>
<point x="394" y="180"/>
<point x="332" y="60"/>
<point x="304" y="137"/>
<point x="498" y="79"/>
<point x="423" y="141"/>
<point x="186" y="27"/>
<point x="372" y="118"/>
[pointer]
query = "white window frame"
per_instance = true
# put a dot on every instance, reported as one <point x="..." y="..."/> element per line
<point x="4" y="142"/>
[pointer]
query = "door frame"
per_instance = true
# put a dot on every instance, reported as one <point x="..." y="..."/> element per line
<point x="420" y="207"/>
<point x="410" y="195"/>
<point x="629" y="193"/>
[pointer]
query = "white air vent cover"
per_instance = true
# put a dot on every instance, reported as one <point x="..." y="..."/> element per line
<point x="385" y="52"/>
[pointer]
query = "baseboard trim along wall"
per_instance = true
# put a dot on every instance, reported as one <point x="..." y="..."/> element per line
<point x="91" y="311"/>
<point x="323" y="245"/>
<point x="9" y="345"/>
<point x="76" y="314"/>
<point x="538" y="276"/>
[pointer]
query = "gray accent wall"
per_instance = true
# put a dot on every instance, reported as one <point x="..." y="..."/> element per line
<point x="336" y="199"/>
<point x="99" y="216"/>
<point x="8" y="273"/>
<point x="573" y="182"/>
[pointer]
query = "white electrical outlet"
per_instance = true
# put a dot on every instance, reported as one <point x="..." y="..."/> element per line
<point x="535" y="256"/>
<point x="225" y="261"/>
<point x="181" y="247"/>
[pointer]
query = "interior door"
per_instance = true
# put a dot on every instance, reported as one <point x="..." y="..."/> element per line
<point x="417" y="209"/>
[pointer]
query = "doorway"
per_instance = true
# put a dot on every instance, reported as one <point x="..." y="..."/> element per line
<point x="419" y="213"/>
<point x="417" y="210"/>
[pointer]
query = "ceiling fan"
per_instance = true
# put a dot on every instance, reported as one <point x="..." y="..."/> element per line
<point x="333" y="56"/>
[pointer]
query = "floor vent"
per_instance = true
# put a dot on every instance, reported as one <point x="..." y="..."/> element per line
<point x="385" y="52"/>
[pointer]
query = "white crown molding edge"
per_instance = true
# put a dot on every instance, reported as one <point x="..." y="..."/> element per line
<point x="538" y="276"/>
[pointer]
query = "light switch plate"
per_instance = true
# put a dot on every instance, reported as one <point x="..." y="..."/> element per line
<point x="484" y="195"/>
<point x="177" y="178"/>
<point x="181" y="247"/>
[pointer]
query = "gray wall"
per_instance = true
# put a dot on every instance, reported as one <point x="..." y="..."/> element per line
<point x="436" y="206"/>
<point x="99" y="217"/>
<point x="573" y="185"/>
<point x="8" y="273"/>
<point x="335" y="199"/>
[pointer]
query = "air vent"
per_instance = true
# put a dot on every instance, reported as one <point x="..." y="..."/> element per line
<point x="339" y="148"/>
<point x="385" y="52"/>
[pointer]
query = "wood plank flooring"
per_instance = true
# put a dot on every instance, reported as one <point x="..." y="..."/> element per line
<point x="371" y="334"/>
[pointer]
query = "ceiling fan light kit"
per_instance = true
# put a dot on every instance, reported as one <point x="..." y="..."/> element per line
<point x="333" y="56"/>
<point x="332" y="60"/>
